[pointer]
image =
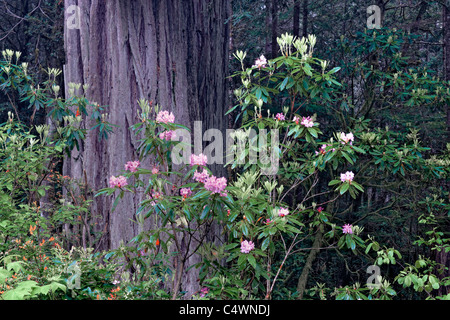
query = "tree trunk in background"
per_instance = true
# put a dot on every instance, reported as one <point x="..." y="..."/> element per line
<point x="268" y="27"/>
<point x="446" y="41"/>
<point x="296" y="18"/>
<point x="172" y="52"/>
<point x="305" y="18"/>
<point x="274" y="13"/>
<point x="303" y="279"/>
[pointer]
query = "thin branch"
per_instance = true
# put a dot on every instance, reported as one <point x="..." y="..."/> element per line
<point x="21" y="19"/>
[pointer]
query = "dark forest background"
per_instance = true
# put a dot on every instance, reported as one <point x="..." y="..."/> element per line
<point x="414" y="36"/>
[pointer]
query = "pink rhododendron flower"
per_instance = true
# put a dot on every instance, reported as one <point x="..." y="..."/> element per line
<point x="346" y="138"/>
<point x="118" y="182"/>
<point x="204" y="292"/>
<point x="155" y="170"/>
<point x="167" y="135"/>
<point x="280" y="117"/>
<point x="216" y="185"/>
<point x="132" y="166"/>
<point x="261" y="62"/>
<point x="154" y="195"/>
<point x="347" y="228"/>
<point x="165" y="117"/>
<point x="199" y="160"/>
<point x="283" y="212"/>
<point x="201" y="176"/>
<point x="307" y="122"/>
<point x="296" y="119"/>
<point x="186" y="192"/>
<point x="322" y="149"/>
<point x="347" y="177"/>
<point x="247" y="246"/>
<point x="319" y="209"/>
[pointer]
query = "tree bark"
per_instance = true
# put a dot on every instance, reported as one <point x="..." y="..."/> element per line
<point x="446" y="41"/>
<point x="171" y="52"/>
<point x="296" y="18"/>
<point x="274" y="13"/>
<point x="303" y="280"/>
<point x="305" y="18"/>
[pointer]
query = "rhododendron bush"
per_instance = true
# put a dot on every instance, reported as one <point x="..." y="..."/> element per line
<point x="262" y="228"/>
<point x="293" y="189"/>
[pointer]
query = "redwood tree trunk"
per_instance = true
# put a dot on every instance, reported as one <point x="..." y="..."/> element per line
<point x="171" y="52"/>
<point x="296" y="18"/>
<point x="274" y="13"/>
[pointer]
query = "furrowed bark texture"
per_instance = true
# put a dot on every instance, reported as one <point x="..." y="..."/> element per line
<point x="172" y="52"/>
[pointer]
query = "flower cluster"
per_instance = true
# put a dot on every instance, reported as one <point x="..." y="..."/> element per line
<point x="347" y="177"/>
<point x="307" y="122"/>
<point x="118" y="182"/>
<point x="165" y="117"/>
<point x="247" y="246"/>
<point x="201" y="176"/>
<point x="167" y="135"/>
<point x="132" y="166"/>
<point x="280" y="117"/>
<point x="216" y="185"/>
<point x="212" y="183"/>
<point x="185" y="192"/>
<point x="199" y="160"/>
<point x="347" y="228"/>
<point x="154" y="195"/>
<point x="203" y="292"/>
<point x="346" y="138"/>
<point x="322" y="149"/>
<point x="283" y="212"/>
<point x="261" y="62"/>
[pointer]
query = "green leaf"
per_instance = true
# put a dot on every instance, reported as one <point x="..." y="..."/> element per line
<point x="334" y="70"/>
<point x="251" y="259"/>
<point x="333" y="182"/>
<point x="205" y="212"/>
<point x="41" y="192"/>
<point x="265" y="244"/>
<point x="357" y="186"/>
<point x="284" y="83"/>
<point x="16" y="266"/>
<point x="55" y="286"/>
<point x="241" y="260"/>
<point x="43" y="290"/>
<point x="116" y="202"/>
<point x="231" y="246"/>
<point x="346" y="156"/>
<point x="307" y="69"/>
<point x="350" y="242"/>
<point x="4" y="274"/>
<point x="344" y="187"/>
